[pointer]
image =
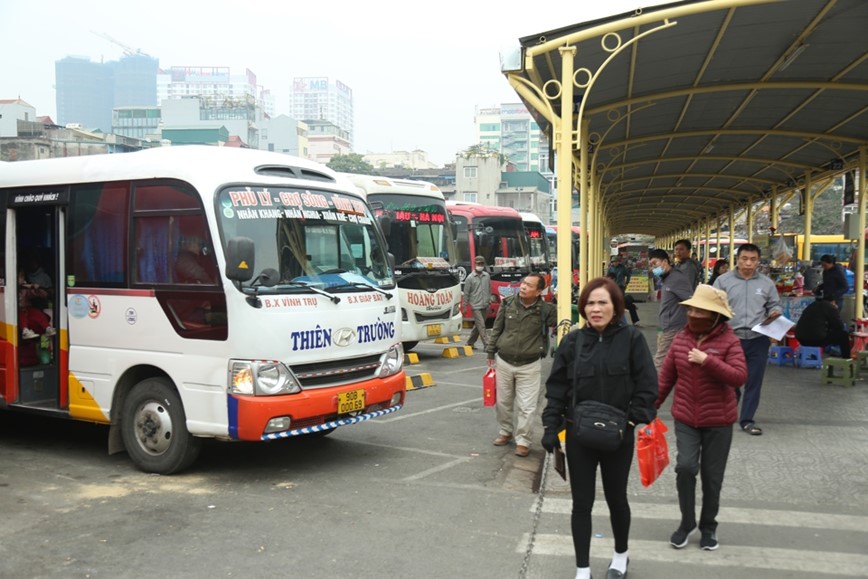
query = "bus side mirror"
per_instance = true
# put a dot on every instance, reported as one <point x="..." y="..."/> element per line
<point x="391" y="259"/>
<point x="240" y="258"/>
<point x="385" y="225"/>
<point x="454" y="227"/>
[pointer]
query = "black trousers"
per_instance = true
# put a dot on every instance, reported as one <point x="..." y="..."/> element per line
<point x="630" y="303"/>
<point x="615" y="470"/>
<point x="702" y="451"/>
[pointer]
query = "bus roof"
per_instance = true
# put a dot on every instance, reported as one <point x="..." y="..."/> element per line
<point x="530" y="218"/>
<point x="199" y="164"/>
<point x="370" y="184"/>
<point x="554" y="229"/>
<point x="479" y="210"/>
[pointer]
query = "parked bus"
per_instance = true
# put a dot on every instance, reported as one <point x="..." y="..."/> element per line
<point x="836" y="245"/>
<point x="420" y="239"/>
<point x="714" y="252"/>
<point x="540" y="259"/>
<point x="199" y="292"/>
<point x="497" y="234"/>
<point x="552" y="235"/>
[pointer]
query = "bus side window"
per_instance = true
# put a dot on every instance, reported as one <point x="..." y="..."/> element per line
<point x="97" y="233"/>
<point x="172" y="244"/>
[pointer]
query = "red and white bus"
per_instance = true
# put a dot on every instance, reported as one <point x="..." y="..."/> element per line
<point x="197" y="292"/>
<point x="715" y="252"/>
<point x="497" y="234"/>
<point x="540" y="259"/>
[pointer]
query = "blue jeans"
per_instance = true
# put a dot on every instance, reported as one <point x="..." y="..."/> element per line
<point x="756" y="353"/>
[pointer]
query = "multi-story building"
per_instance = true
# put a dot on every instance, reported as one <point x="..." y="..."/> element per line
<point x="318" y="99"/>
<point x="239" y="116"/>
<point x="511" y="130"/>
<point x="481" y="178"/>
<point x="283" y="134"/>
<point x="325" y="140"/>
<point x="212" y="83"/>
<point x="417" y="159"/>
<point x="136" y="122"/>
<point x="85" y="93"/>
<point x="88" y="91"/>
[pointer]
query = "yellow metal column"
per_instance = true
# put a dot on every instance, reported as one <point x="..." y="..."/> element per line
<point x="564" y="170"/>
<point x="584" y="195"/>
<point x="809" y="211"/>
<point x="774" y="209"/>
<point x="749" y="220"/>
<point x="731" y="237"/>
<point x="707" y="247"/>
<point x="860" y="251"/>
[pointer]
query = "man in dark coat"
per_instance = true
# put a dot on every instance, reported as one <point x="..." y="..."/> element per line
<point x="820" y="325"/>
<point x="834" y="280"/>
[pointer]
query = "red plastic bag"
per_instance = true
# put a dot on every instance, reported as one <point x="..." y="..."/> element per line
<point x="652" y="451"/>
<point x="489" y="388"/>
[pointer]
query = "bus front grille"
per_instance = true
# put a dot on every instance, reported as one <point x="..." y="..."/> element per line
<point x="422" y="318"/>
<point x="335" y="373"/>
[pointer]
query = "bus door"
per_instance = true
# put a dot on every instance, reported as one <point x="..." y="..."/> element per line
<point x="38" y="235"/>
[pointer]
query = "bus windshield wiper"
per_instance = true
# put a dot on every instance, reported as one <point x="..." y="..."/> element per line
<point x="303" y="284"/>
<point x="361" y="285"/>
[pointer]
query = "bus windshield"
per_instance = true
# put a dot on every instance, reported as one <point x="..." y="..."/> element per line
<point x="307" y="237"/>
<point x="539" y="248"/>
<point x="501" y="241"/>
<point x="419" y="228"/>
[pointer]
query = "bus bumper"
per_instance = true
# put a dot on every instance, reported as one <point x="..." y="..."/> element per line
<point x="311" y="410"/>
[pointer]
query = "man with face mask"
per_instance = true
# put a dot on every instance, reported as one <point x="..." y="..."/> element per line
<point x="477" y="296"/>
<point x="676" y="287"/>
<point x="756" y="301"/>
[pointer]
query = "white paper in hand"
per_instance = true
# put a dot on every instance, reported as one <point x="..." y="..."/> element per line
<point x="777" y="329"/>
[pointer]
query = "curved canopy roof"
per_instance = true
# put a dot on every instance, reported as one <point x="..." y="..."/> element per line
<point x="697" y="107"/>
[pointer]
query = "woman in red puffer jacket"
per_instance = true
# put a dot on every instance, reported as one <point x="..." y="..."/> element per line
<point x="706" y="366"/>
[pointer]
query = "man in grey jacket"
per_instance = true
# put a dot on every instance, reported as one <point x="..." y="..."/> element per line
<point x="755" y="300"/>
<point x="676" y="287"/>
<point x="477" y="296"/>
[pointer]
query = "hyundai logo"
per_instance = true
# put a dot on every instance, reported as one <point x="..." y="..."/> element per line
<point x="344" y="337"/>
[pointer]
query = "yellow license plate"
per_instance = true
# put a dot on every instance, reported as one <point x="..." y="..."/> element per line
<point x="351" y="401"/>
<point x="434" y="330"/>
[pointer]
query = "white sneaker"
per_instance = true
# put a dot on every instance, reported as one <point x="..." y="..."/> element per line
<point x="50" y="331"/>
<point x="28" y="334"/>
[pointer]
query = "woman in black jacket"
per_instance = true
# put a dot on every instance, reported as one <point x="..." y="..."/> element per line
<point x="613" y="365"/>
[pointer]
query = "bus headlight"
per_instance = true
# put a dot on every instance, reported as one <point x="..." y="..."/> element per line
<point x="456" y="310"/>
<point x="392" y="362"/>
<point x="261" y="378"/>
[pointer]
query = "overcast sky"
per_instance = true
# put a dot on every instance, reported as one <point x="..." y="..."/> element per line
<point x="416" y="74"/>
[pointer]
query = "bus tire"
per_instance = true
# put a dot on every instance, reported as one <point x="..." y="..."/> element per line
<point x="154" y="428"/>
<point x="409" y="345"/>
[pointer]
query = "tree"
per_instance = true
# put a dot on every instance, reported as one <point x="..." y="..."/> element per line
<point x="482" y="150"/>
<point x="351" y="163"/>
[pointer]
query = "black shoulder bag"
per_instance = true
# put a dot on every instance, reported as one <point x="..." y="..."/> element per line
<point x="596" y="424"/>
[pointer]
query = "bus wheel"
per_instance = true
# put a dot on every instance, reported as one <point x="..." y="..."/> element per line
<point x="154" y="428"/>
<point x="409" y="345"/>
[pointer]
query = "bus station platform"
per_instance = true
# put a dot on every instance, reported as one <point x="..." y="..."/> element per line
<point x="794" y="500"/>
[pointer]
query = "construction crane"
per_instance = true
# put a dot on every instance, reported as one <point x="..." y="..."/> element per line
<point x="128" y="50"/>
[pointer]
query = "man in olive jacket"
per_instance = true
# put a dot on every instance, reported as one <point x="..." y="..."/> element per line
<point x="518" y="342"/>
<point x="477" y="296"/>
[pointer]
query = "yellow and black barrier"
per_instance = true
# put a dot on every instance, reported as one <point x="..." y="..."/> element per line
<point x="411" y="358"/>
<point x="457" y="352"/>
<point x="423" y="380"/>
